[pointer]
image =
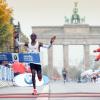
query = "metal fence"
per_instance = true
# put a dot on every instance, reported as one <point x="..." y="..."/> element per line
<point x="6" y="73"/>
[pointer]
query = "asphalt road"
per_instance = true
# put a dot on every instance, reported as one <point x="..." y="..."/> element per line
<point x="53" y="91"/>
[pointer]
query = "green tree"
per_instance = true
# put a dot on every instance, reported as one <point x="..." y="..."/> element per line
<point x="6" y="27"/>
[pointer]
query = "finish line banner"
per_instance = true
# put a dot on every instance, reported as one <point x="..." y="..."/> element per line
<point x="21" y="57"/>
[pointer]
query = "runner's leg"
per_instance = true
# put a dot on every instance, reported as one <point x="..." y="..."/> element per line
<point x="33" y="78"/>
<point x="33" y="69"/>
<point x="39" y="72"/>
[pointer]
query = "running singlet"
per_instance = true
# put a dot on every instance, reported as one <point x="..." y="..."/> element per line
<point x="33" y="48"/>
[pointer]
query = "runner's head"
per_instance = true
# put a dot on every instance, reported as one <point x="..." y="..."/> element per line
<point x="33" y="36"/>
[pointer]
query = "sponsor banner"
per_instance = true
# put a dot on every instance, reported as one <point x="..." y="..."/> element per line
<point x="21" y="57"/>
<point x="5" y="57"/>
<point x="29" y="57"/>
<point x="15" y="57"/>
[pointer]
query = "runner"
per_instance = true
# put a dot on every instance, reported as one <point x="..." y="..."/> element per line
<point x="34" y="46"/>
<point x="64" y="73"/>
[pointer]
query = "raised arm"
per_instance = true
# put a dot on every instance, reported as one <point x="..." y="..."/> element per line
<point x="48" y="46"/>
<point x="26" y="46"/>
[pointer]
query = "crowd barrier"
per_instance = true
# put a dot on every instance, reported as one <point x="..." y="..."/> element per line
<point x="21" y="57"/>
<point x="6" y="72"/>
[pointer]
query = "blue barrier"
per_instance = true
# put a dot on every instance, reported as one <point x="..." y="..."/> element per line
<point x="21" y="57"/>
<point x="5" y="72"/>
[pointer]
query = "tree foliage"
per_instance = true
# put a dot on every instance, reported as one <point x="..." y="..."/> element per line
<point x="6" y="27"/>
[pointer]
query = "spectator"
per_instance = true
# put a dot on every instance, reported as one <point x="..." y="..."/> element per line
<point x="64" y="73"/>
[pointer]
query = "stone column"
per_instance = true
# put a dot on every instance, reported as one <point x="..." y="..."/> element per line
<point x="86" y="56"/>
<point x="65" y="56"/>
<point x="50" y="61"/>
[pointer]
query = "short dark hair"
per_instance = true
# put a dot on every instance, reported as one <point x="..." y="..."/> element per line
<point x="33" y="35"/>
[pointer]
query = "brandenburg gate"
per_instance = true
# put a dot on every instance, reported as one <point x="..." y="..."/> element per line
<point x="73" y="32"/>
